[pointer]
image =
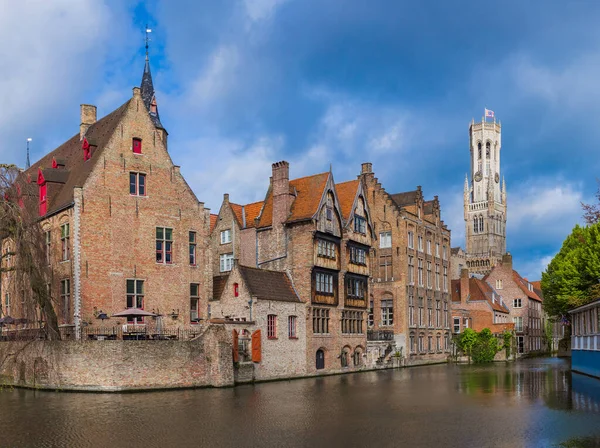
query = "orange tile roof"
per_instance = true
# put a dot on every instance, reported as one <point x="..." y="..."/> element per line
<point x="237" y="212"/>
<point x="478" y="290"/>
<point x="346" y="192"/>
<point x="523" y="285"/>
<point x="213" y="221"/>
<point x="252" y="211"/>
<point x="308" y="190"/>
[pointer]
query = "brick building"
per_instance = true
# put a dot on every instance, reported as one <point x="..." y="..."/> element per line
<point x="122" y="229"/>
<point x="410" y="299"/>
<point x="476" y="305"/>
<point x="524" y="304"/>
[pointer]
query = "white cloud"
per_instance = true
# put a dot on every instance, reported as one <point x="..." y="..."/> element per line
<point x="218" y="78"/>
<point x="261" y="9"/>
<point x="532" y="268"/>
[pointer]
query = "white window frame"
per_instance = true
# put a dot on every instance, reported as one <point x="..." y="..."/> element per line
<point x="385" y="239"/>
<point x="226" y="262"/>
<point x="226" y="236"/>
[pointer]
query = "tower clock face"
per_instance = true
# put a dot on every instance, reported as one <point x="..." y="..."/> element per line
<point x="477" y="176"/>
<point x="497" y="178"/>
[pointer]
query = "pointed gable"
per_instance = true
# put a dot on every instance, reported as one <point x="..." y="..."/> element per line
<point x="347" y="192"/>
<point x="148" y="95"/>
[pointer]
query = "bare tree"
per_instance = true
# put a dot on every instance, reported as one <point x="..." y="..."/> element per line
<point x="591" y="212"/>
<point x="23" y="268"/>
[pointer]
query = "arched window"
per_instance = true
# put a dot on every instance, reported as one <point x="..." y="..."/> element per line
<point x="487" y="150"/>
<point x="480" y="223"/>
<point x="479" y="150"/>
<point x="475" y="224"/>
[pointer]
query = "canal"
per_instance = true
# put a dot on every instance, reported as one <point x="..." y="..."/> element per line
<point x="532" y="403"/>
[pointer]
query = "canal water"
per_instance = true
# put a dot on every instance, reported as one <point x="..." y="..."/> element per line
<point x="532" y="403"/>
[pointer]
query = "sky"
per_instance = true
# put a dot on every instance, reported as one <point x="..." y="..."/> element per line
<point x="245" y="83"/>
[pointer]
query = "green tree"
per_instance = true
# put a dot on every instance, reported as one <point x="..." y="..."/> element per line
<point x="486" y="346"/>
<point x="572" y="277"/>
<point x="466" y="340"/>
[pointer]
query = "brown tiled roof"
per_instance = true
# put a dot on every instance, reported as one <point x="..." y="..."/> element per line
<point x="252" y="211"/>
<point x="406" y="198"/>
<point x="268" y="285"/>
<point x="523" y="285"/>
<point x="76" y="170"/>
<point x="213" y="221"/>
<point x="219" y="285"/>
<point x="478" y="290"/>
<point x="308" y="191"/>
<point x="428" y="207"/>
<point x="537" y="288"/>
<point x="346" y="192"/>
<point x="455" y="290"/>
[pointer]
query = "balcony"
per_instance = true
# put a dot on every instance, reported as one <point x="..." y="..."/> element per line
<point x="380" y="335"/>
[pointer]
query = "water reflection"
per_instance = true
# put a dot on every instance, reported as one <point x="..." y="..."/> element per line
<point x="532" y="403"/>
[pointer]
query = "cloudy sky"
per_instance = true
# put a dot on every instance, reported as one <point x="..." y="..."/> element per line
<point x="244" y="83"/>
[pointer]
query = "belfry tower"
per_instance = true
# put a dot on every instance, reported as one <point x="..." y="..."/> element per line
<point x="485" y="199"/>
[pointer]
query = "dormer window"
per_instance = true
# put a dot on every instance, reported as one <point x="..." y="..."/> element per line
<point x="137" y="145"/>
<point x="360" y="224"/>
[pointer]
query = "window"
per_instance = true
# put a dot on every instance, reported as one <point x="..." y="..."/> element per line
<point x="411" y="240"/>
<point x="429" y="281"/>
<point x="446" y="315"/>
<point x="457" y="325"/>
<point x="164" y="245"/>
<point x="292" y="327"/>
<point x="421" y="344"/>
<point x="498" y="284"/>
<point x="437" y="250"/>
<point x="385" y="267"/>
<point x="192" y="243"/>
<point x="352" y="322"/>
<point x="517" y="303"/>
<point x="326" y="249"/>
<point x="137" y="184"/>
<point x="320" y="321"/>
<point x="64" y="240"/>
<point x="370" y="315"/>
<point x="475" y="225"/>
<point x="481" y="224"/>
<point x="387" y="312"/>
<point x="420" y="311"/>
<point x="429" y="344"/>
<point x="439" y="343"/>
<point x="412" y="343"/>
<point x="446" y="341"/>
<point x="324" y="283"/>
<point x="225" y="236"/>
<point x="385" y="240"/>
<point x="358" y="255"/>
<point x="194" y="302"/>
<point x="225" y="262"/>
<point x="329" y="213"/>
<point x="7" y="304"/>
<point x="420" y="242"/>
<point x="411" y="311"/>
<point x="438" y="313"/>
<point x="135" y="298"/>
<point x="272" y="326"/>
<point x="437" y="277"/>
<point x="236" y="290"/>
<point x="136" y="145"/>
<point x="411" y="270"/>
<point x="420" y="272"/>
<point x="445" y="279"/>
<point x="428" y="247"/>
<point x="356" y="287"/>
<point x="48" y="246"/>
<point x="360" y="224"/>
<point x="518" y="323"/>
<point x="445" y="252"/>
<point x="65" y="299"/>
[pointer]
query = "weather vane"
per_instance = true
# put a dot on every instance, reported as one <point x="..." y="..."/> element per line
<point x="148" y="31"/>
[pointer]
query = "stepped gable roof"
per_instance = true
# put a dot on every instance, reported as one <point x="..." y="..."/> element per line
<point x="219" y="282"/>
<point x="406" y="198"/>
<point x="308" y="192"/>
<point x="268" y="285"/>
<point x="522" y="283"/>
<point x="346" y="192"/>
<point x="213" y="221"/>
<point x="428" y="207"/>
<point x="70" y="153"/>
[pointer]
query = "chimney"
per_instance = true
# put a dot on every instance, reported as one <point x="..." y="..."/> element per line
<point x="226" y="198"/>
<point x="464" y="286"/>
<point x="366" y="168"/>
<point x="88" y="118"/>
<point x="507" y="260"/>
<point x="281" y="192"/>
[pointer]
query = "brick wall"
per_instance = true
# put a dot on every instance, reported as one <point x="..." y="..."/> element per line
<point x="120" y="365"/>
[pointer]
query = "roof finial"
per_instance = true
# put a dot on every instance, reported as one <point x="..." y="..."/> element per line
<point x="28" y="163"/>
<point x="148" y="31"/>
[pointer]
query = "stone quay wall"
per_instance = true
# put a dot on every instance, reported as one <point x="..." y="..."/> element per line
<point x="114" y="366"/>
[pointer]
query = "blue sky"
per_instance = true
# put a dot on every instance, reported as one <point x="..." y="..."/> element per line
<point x="244" y="83"/>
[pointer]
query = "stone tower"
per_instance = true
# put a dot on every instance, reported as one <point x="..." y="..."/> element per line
<point x="485" y="199"/>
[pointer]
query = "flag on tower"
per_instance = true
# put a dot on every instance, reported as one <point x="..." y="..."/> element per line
<point x="489" y="113"/>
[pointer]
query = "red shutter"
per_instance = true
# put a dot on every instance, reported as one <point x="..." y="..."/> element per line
<point x="236" y="290"/>
<point x="256" y="349"/>
<point x="137" y="146"/>
<point x="235" y="346"/>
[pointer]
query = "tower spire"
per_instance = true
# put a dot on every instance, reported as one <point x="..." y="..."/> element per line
<point x="147" y="87"/>
<point x="28" y="162"/>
